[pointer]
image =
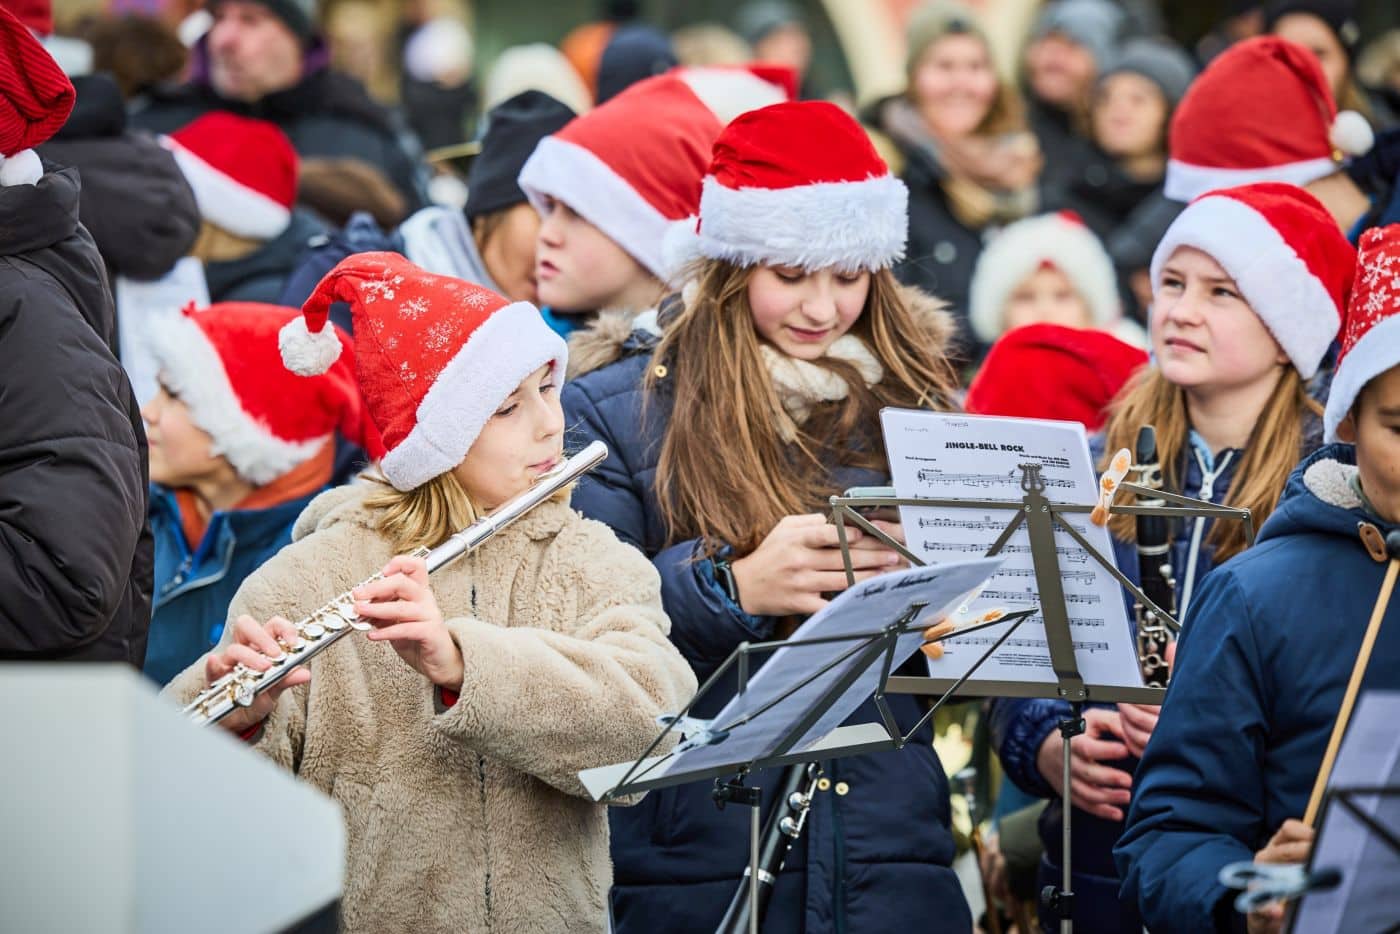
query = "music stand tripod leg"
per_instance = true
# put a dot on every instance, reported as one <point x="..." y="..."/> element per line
<point x="1060" y="901"/>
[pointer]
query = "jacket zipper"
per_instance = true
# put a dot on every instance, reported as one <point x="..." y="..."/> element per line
<point x="486" y="847"/>
<point x="1207" y="493"/>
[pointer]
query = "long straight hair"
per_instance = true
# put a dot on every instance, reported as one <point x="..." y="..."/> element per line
<point x="726" y="473"/>
<point x="1273" y="450"/>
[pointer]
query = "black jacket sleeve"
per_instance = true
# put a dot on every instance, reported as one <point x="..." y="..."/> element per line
<point x="72" y="475"/>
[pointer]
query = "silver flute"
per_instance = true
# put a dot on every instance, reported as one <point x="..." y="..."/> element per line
<point x="323" y="628"/>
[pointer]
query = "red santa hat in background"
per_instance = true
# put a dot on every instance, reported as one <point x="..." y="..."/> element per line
<point x="243" y="172"/>
<point x="1051" y="371"/>
<point x="633" y="165"/>
<point x="795" y="184"/>
<point x="36" y="98"/>
<point x="1261" y="111"/>
<point x="1286" y="254"/>
<point x="436" y="356"/>
<point x="1371" y="337"/>
<point x="1060" y="240"/>
<point x="224" y="363"/>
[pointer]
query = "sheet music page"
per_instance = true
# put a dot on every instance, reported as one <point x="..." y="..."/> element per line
<point x="1367" y="899"/>
<point x="952" y="456"/>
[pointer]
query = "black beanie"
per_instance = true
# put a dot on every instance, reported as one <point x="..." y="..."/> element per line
<point x="514" y="127"/>
<point x="299" y="15"/>
<point x="1339" y="15"/>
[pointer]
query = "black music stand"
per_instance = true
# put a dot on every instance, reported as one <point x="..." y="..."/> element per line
<point x="1041" y="517"/>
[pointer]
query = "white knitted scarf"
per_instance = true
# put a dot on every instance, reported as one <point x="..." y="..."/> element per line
<point x="801" y="385"/>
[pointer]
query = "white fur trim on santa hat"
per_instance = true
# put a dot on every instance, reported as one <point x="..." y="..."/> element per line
<point x="1293" y="304"/>
<point x="1377" y="351"/>
<point x="1186" y="182"/>
<point x="729" y="92"/>
<point x="191" y="368"/>
<point x="569" y="173"/>
<point x="305" y="353"/>
<point x="501" y="352"/>
<point x="1016" y="252"/>
<point x="242" y="211"/>
<point x="841" y="225"/>
<point x="22" y="168"/>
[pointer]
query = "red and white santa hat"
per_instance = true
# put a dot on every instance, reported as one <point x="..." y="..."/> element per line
<point x="1284" y="251"/>
<point x="224" y="363"/>
<point x="436" y="356"/>
<point x="1260" y="112"/>
<point x="36" y="98"/>
<point x="1371" y="337"/>
<point x="1059" y="240"/>
<point x="243" y="172"/>
<point x="796" y="184"/>
<point x="633" y="165"/>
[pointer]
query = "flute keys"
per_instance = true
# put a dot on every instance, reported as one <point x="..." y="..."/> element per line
<point x="313" y="630"/>
<point x="244" y="695"/>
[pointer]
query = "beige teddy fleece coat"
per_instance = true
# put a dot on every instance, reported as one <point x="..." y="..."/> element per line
<point x="472" y="818"/>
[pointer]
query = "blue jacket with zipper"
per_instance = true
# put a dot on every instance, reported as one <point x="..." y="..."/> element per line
<point x="876" y="852"/>
<point x="1259" y="678"/>
<point x="193" y="588"/>
<point x="1019" y="726"/>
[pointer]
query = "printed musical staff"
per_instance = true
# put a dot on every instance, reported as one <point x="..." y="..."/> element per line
<point x="935" y="475"/>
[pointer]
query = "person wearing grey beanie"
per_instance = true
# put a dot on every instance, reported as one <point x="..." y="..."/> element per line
<point x="1160" y="61"/>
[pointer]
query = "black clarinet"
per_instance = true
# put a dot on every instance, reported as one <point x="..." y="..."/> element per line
<point x="784" y="826"/>
<point x="1155" y="576"/>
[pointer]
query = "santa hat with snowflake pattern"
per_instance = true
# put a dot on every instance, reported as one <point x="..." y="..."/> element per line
<point x="1284" y="251"/>
<point x="222" y="362"/>
<point x="436" y="356"/>
<point x="1371" y="337"/>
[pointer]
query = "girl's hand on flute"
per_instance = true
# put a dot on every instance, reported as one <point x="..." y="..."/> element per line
<point x="402" y="608"/>
<point x="255" y="646"/>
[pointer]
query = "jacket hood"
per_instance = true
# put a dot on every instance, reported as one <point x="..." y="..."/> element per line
<point x="34" y="217"/>
<point x="345" y="505"/>
<point x="1320" y="499"/>
<point x="98" y="109"/>
<point x="614" y="334"/>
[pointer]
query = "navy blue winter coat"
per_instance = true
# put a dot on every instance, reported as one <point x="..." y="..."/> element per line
<point x="1019" y="726"/>
<point x="194" y="588"/>
<point x="1258" y="681"/>
<point x="876" y="852"/>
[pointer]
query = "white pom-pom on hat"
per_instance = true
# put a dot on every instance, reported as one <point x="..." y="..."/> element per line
<point x="23" y="168"/>
<point x="1351" y="134"/>
<point x="305" y="353"/>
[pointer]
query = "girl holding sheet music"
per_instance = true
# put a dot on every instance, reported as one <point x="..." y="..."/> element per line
<point x="731" y="418"/>
<point x="1250" y="285"/>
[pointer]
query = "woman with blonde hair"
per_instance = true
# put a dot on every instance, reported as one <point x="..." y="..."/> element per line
<point x="1249" y="285"/>
<point x="453" y="732"/>
<point x="733" y="415"/>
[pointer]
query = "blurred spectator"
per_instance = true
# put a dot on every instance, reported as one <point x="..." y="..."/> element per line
<point x="968" y="161"/>
<point x="1243" y="19"/>
<point x="634" y="52"/>
<point x="138" y="52"/>
<point x="1072" y="41"/>
<point x="777" y="32"/>
<point x="134" y="201"/>
<point x="1048" y="269"/>
<point x="709" y="44"/>
<point x="1119" y="191"/>
<point x="535" y="67"/>
<point x="244" y="176"/>
<point x="77" y="570"/>
<point x="334" y="189"/>
<point x="1330" y="30"/>
<point x="263" y="58"/>
<point x="1378" y="69"/>
<point x="1051" y="371"/>
<point x="583" y="47"/>
<point x="1263" y="111"/>
<point x="438" y="95"/>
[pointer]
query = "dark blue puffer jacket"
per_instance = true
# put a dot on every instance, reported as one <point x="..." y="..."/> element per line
<point x="876" y="852"/>
<point x="1019" y="726"/>
<point x="1260" y="673"/>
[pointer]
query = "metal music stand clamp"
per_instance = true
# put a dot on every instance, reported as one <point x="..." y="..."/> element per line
<point x="1041" y="517"/>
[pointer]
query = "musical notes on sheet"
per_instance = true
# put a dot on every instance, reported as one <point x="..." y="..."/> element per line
<point x="959" y="457"/>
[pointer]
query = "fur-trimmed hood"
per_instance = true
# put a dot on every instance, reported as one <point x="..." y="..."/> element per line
<point x="1321" y="498"/>
<point x="615" y="333"/>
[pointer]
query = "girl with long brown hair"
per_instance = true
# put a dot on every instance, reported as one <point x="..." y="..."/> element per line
<point x="1249" y="288"/>
<point x="732" y="416"/>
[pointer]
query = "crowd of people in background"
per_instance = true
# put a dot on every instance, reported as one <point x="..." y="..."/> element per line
<point x="290" y="289"/>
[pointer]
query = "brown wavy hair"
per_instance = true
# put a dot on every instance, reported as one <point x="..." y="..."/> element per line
<point x="1273" y="450"/>
<point x="726" y="474"/>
